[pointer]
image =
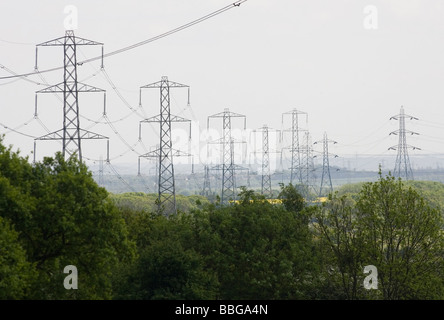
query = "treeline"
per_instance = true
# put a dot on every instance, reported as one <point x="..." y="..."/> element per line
<point x="140" y="201"/>
<point x="53" y="214"/>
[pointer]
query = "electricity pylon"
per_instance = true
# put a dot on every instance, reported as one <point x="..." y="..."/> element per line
<point x="402" y="165"/>
<point x="266" y="179"/>
<point x="71" y="134"/>
<point x="206" y="190"/>
<point x="296" y="169"/>
<point x="228" y="166"/>
<point x="307" y="165"/>
<point x="166" y="200"/>
<point x="266" y="174"/>
<point x="326" y="165"/>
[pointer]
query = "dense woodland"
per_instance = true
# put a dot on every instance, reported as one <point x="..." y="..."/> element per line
<point x="53" y="214"/>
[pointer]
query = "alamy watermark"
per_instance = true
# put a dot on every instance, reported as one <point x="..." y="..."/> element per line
<point x="206" y="145"/>
<point x="71" y="280"/>
<point x="71" y="21"/>
<point x="371" y="281"/>
<point x="370" y="17"/>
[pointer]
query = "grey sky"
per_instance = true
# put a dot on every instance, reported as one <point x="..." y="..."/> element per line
<point x="261" y="59"/>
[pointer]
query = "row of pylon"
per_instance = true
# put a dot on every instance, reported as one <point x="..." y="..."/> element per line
<point x="301" y="167"/>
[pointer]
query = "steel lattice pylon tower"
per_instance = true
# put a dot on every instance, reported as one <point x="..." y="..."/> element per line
<point x="402" y="165"/>
<point x="296" y="168"/>
<point x="166" y="186"/>
<point x="325" y="165"/>
<point x="206" y="190"/>
<point x="266" y="179"/>
<point x="71" y="134"/>
<point x="228" y="166"/>
<point x="307" y="165"/>
<point x="266" y="175"/>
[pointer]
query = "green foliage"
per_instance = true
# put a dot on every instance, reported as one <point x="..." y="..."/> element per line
<point x="404" y="238"/>
<point x="391" y="227"/>
<point x="291" y="198"/>
<point x="261" y="251"/>
<point x="432" y="191"/>
<point x="63" y="218"/>
<point x="168" y="267"/>
<point x="249" y="250"/>
<point x="16" y="273"/>
<point x="53" y="214"/>
<point x="351" y="189"/>
<point x="139" y="201"/>
<point x="337" y="229"/>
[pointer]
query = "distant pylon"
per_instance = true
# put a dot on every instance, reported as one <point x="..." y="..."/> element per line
<point x="266" y="173"/>
<point x="206" y="190"/>
<point x="228" y="166"/>
<point x="266" y="179"/>
<point x="166" y="200"/>
<point x="101" y="182"/>
<point x="71" y="134"/>
<point x="326" y="165"/>
<point x="307" y="165"/>
<point x="295" y="148"/>
<point x="402" y="165"/>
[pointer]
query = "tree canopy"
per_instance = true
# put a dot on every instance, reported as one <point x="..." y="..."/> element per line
<point x="391" y="227"/>
<point x="53" y="214"/>
<point x="60" y="217"/>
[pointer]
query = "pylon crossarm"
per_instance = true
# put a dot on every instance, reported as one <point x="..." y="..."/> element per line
<point x="295" y="111"/>
<point x="227" y="114"/>
<point x="291" y="130"/>
<point x="179" y="119"/>
<point x="403" y="116"/>
<point x="55" y="42"/>
<point x="57" y="135"/>
<point x="85" y="134"/>
<point x="178" y="153"/>
<point x="151" y="154"/>
<point x="61" y="41"/>
<point x="53" y="89"/>
<point x="159" y="84"/>
<point x="240" y="168"/>
<point x="404" y="131"/>
<point x="151" y="119"/>
<point x="217" y="167"/>
<point x="81" y="87"/>
<point x="86" y="42"/>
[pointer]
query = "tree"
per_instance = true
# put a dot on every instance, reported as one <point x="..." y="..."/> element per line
<point x="258" y="250"/>
<point x="340" y="245"/>
<point x="391" y="227"/>
<point x="63" y="218"/>
<point x="291" y="198"/>
<point x="168" y="267"/>
<point x="16" y="273"/>
<point x="248" y="250"/>
<point x="404" y="239"/>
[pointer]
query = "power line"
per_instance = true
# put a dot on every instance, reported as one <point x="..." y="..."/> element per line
<point x="16" y="131"/>
<point x="17" y="43"/>
<point x="121" y="97"/>
<point x="16" y="75"/>
<point x="119" y="177"/>
<point x="158" y="37"/>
